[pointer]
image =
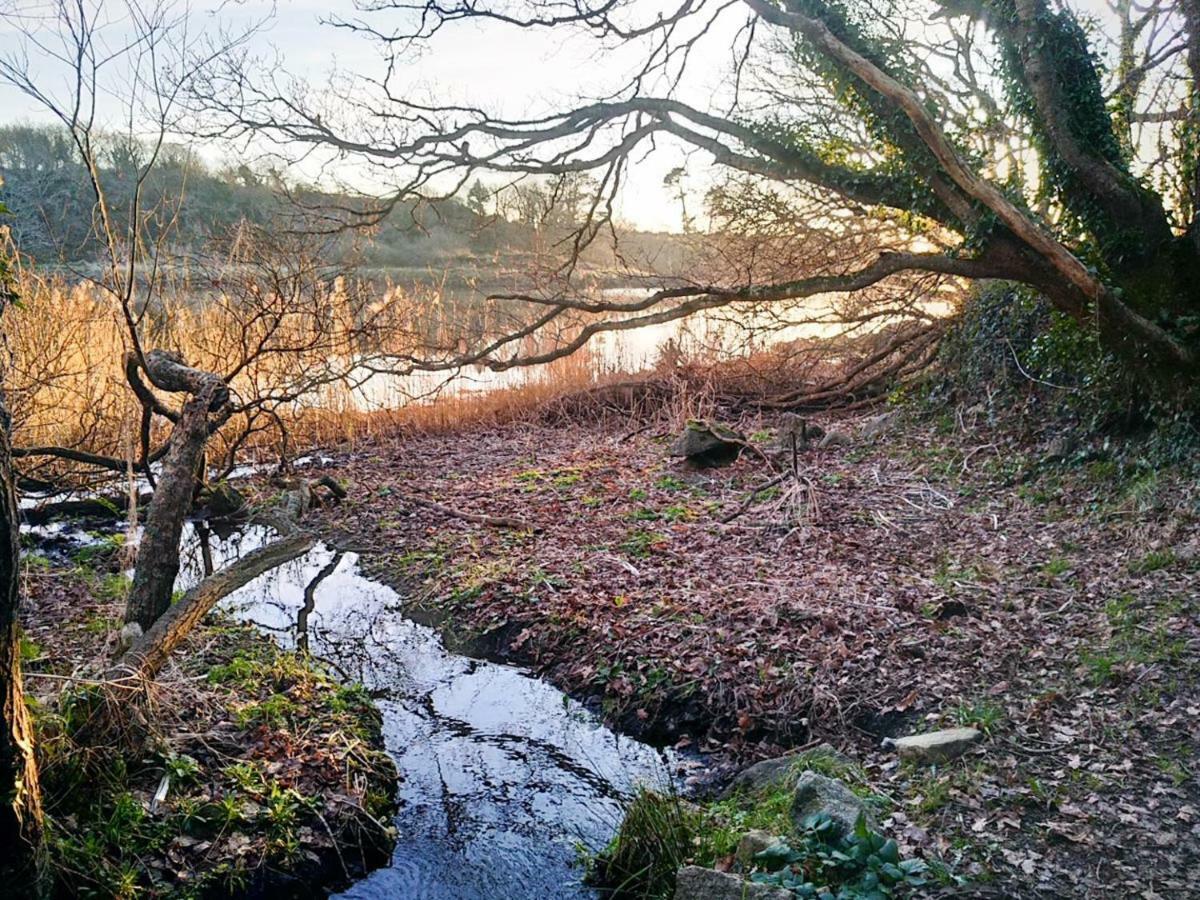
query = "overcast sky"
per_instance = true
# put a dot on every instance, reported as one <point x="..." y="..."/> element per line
<point x="504" y="69"/>
<point x="509" y="70"/>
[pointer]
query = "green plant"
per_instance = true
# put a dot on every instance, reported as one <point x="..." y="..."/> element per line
<point x="982" y="714"/>
<point x="30" y="649"/>
<point x="640" y="542"/>
<point x="653" y="842"/>
<point x="1152" y="562"/>
<point x="113" y="586"/>
<point x="182" y="768"/>
<point x="1056" y="567"/>
<point x="822" y="858"/>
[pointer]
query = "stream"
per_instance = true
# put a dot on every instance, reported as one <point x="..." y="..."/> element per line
<point x="503" y="778"/>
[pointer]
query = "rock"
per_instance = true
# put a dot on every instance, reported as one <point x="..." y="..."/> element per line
<point x="1061" y="449"/>
<point x="224" y="501"/>
<point x="795" y="428"/>
<point x="130" y="632"/>
<point x="835" y="439"/>
<point x="936" y="746"/>
<point x="767" y="773"/>
<point x="708" y="444"/>
<point x="780" y="771"/>
<point x="877" y="425"/>
<point x="818" y="794"/>
<point x="753" y="843"/>
<point x="695" y="883"/>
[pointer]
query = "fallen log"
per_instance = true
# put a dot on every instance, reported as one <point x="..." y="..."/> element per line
<point x="149" y="652"/>
<point x="111" y="507"/>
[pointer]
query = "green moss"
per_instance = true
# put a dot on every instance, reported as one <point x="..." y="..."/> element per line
<point x="113" y="586"/>
<point x="103" y="841"/>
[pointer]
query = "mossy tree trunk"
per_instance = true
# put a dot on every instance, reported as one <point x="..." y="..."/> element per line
<point x="158" y="555"/>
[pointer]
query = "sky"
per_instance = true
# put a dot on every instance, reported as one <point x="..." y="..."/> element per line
<point x="504" y="69"/>
<point x="514" y="71"/>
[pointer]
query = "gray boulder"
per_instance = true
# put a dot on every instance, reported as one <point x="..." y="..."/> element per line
<point x="795" y="429"/>
<point x="765" y="774"/>
<point x="780" y="771"/>
<point x="818" y="794"/>
<point x="936" y="746"/>
<point x="876" y="426"/>
<point x="695" y="883"/>
<point x="835" y="439"/>
<point x="708" y="444"/>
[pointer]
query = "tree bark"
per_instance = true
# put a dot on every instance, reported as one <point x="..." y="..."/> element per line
<point x="169" y="372"/>
<point x="21" y="829"/>
<point x="158" y="555"/>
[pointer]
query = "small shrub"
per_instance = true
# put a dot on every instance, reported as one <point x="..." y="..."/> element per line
<point x="653" y="843"/>
<point x="860" y="865"/>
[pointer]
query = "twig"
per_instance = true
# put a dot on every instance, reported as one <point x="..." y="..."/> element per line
<point x="478" y="518"/>
<point x="750" y="498"/>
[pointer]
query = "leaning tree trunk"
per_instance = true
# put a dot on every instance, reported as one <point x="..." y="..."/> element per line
<point x="149" y="653"/>
<point x="158" y="555"/>
<point x="20" y="795"/>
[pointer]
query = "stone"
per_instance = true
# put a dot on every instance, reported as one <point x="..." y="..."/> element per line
<point x="762" y="775"/>
<point x="696" y="883"/>
<point x="835" y="439"/>
<point x="876" y="426"/>
<point x="224" y="501"/>
<point x="936" y="746"/>
<point x="817" y="793"/>
<point x="753" y="843"/>
<point x="708" y="444"/>
<point x="1061" y="449"/>
<point x="796" y="429"/>
<point x="780" y="771"/>
<point x="128" y="635"/>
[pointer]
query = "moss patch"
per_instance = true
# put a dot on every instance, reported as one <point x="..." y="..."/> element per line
<point x="249" y="770"/>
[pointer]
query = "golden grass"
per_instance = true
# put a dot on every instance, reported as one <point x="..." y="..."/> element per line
<point x="67" y="388"/>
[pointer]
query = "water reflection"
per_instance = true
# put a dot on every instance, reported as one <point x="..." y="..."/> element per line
<point x="503" y="777"/>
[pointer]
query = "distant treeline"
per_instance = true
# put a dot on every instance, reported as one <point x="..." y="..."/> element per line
<point x="187" y="203"/>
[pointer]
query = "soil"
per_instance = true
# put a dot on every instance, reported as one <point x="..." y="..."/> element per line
<point x="947" y="571"/>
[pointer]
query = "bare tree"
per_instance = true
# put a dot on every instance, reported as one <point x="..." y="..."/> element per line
<point x="151" y="52"/>
<point x="907" y="110"/>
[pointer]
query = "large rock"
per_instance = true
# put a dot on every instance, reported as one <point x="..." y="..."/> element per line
<point x="695" y="883"/>
<point x="781" y="771"/>
<point x="876" y="426"/>
<point x="936" y="746"/>
<point x="816" y="793"/>
<point x="763" y="775"/>
<point x="796" y="430"/>
<point x="835" y="439"/>
<point x="708" y="444"/>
